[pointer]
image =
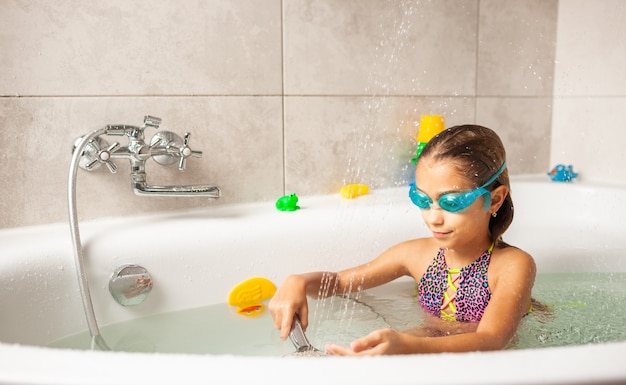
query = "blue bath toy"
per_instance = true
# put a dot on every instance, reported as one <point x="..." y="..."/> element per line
<point x="562" y="173"/>
<point x="287" y="203"/>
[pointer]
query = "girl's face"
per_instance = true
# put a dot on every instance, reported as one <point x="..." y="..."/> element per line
<point x="452" y="230"/>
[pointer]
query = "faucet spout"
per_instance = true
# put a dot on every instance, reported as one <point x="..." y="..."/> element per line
<point x="141" y="187"/>
<point x="208" y="190"/>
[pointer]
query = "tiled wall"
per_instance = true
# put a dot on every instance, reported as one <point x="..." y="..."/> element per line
<point x="588" y="128"/>
<point x="282" y="96"/>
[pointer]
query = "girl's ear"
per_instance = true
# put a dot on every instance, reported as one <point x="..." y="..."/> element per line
<point x="498" y="195"/>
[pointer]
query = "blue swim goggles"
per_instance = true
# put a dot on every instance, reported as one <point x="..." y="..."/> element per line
<point x="455" y="202"/>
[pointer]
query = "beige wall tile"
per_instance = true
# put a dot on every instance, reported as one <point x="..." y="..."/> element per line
<point x="370" y="47"/>
<point x="140" y="47"/>
<point x="517" y="47"/>
<point x="523" y="124"/>
<point x="591" y="54"/>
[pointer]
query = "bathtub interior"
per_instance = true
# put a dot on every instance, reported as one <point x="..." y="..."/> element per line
<point x="197" y="256"/>
<point x="570" y="227"/>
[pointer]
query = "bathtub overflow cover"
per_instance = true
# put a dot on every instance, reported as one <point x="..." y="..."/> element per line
<point x="130" y="285"/>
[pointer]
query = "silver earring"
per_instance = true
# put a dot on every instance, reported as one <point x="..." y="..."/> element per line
<point x="494" y="214"/>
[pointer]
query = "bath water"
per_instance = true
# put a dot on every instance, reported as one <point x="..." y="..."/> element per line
<point x="582" y="308"/>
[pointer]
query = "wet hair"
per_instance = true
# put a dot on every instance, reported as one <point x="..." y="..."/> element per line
<point x="476" y="152"/>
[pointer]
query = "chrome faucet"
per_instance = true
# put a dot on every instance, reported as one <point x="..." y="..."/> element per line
<point x="165" y="148"/>
<point x="91" y="151"/>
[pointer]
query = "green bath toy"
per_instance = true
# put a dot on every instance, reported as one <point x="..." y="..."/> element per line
<point x="287" y="203"/>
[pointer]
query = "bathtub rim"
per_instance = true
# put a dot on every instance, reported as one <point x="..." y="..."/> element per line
<point x="569" y="364"/>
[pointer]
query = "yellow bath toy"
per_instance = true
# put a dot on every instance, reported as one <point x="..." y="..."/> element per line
<point x="354" y="190"/>
<point x="249" y="294"/>
<point x="430" y="125"/>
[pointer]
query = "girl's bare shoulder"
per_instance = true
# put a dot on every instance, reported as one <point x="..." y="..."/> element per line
<point x="507" y="254"/>
<point x="416" y="254"/>
<point x="512" y="260"/>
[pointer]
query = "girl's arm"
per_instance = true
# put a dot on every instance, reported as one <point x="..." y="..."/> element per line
<point x="510" y="301"/>
<point x="290" y="298"/>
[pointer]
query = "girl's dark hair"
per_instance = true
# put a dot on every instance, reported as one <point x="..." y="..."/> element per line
<point x="477" y="153"/>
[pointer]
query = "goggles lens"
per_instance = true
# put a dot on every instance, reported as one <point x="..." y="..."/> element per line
<point x="455" y="202"/>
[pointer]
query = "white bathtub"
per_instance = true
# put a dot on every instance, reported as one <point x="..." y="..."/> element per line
<point x="195" y="258"/>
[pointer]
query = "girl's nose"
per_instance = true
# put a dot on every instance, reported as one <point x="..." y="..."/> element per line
<point x="433" y="216"/>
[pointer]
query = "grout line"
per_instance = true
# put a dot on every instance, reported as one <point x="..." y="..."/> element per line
<point x="283" y="95"/>
<point x="282" y="87"/>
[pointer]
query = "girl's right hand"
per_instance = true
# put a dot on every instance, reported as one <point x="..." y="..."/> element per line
<point x="289" y="300"/>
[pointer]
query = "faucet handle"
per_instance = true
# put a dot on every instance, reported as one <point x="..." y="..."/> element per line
<point x="166" y="148"/>
<point x="94" y="154"/>
<point x="186" y="152"/>
<point x="104" y="156"/>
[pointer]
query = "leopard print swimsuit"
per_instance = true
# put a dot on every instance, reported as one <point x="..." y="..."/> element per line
<point x="470" y="289"/>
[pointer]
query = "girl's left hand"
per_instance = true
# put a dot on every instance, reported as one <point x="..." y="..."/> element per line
<point x="384" y="341"/>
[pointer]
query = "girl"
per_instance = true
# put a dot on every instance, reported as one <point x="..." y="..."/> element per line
<point x="476" y="287"/>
